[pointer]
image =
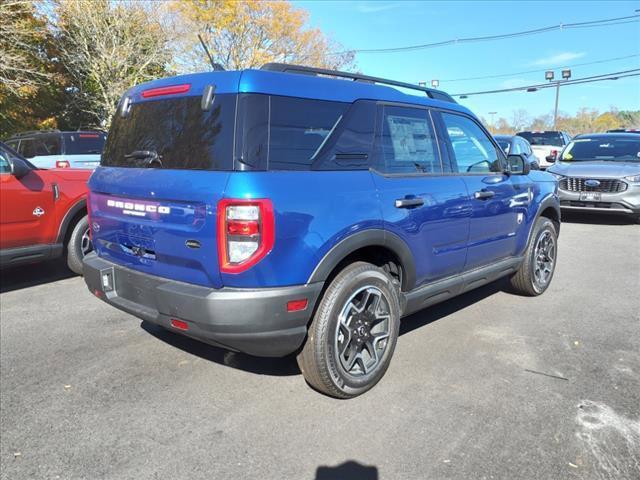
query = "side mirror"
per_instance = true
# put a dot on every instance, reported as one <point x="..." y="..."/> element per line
<point x="517" y="164"/>
<point x="19" y="168"/>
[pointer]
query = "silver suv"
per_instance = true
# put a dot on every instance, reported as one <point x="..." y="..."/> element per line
<point x="600" y="173"/>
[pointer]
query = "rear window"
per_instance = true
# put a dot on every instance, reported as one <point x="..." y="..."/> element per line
<point x="283" y="133"/>
<point x="543" y="138"/>
<point x="84" y="143"/>
<point x="184" y="136"/>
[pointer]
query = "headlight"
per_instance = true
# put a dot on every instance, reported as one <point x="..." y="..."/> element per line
<point x="633" y="178"/>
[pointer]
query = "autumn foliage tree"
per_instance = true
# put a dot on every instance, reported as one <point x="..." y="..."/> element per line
<point x="250" y="33"/>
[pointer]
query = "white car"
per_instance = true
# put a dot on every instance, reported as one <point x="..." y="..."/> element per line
<point x="546" y="145"/>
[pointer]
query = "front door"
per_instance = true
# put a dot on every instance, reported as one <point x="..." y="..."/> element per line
<point x="499" y="200"/>
<point x="430" y="211"/>
<point x="26" y="207"/>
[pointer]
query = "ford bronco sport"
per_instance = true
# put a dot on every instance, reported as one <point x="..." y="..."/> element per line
<point x="291" y="209"/>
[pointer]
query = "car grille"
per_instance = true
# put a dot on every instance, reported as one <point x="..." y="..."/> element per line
<point x="607" y="185"/>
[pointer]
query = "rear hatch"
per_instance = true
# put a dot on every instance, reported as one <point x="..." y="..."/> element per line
<point x="165" y="166"/>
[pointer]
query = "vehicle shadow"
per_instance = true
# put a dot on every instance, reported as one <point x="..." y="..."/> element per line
<point x="596" y="219"/>
<point x="25" y="276"/>
<point x="284" y="366"/>
<point x="287" y="366"/>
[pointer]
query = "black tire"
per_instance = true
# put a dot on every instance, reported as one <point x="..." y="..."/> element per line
<point x="532" y="278"/>
<point x="76" y="246"/>
<point x="323" y="357"/>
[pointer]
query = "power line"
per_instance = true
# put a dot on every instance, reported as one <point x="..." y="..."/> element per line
<point x="540" y="86"/>
<point x="592" y="23"/>
<point x="502" y="75"/>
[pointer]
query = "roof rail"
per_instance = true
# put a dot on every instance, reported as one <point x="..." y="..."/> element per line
<point x="32" y="132"/>
<point x="357" y="77"/>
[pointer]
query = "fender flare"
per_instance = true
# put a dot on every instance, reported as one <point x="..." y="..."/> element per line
<point x="368" y="238"/>
<point x="552" y="201"/>
<point x="66" y="221"/>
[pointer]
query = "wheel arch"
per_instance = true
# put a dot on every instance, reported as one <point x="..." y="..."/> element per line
<point x="373" y="245"/>
<point x="73" y="215"/>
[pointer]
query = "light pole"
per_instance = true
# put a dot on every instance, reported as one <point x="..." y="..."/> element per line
<point x="435" y="83"/>
<point x="549" y="75"/>
<point x="492" y="122"/>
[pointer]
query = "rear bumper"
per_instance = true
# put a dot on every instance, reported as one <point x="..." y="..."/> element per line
<point x="253" y="321"/>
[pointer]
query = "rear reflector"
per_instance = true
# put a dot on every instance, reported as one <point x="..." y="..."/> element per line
<point x="179" y="324"/>
<point x="98" y="293"/>
<point x="62" y="164"/>
<point x="170" y="90"/>
<point x="297" y="305"/>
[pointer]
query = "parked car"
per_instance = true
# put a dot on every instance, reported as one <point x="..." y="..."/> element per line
<point x="546" y="145"/>
<point x="56" y="149"/>
<point x="519" y="146"/>
<point x="281" y="210"/>
<point x="600" y="172"/>
<point x="43" y="213"/>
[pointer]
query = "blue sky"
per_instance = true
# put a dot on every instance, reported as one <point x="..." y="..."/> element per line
<point x="383" y="24"/>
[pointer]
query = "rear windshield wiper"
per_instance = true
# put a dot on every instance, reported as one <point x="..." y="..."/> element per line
<point x="151" y="157"/>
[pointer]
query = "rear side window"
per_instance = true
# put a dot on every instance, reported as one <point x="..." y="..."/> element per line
<point x="184" y="136"/>
<point x="84" y="143"/>
<point x="40" y="146"/>
<point x="284" y="133"/>
<point x="407" y="143"/>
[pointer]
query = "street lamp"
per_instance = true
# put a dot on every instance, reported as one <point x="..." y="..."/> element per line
<point x="492" y="114"/>
<point x="435" y="83"/>
<point x="566" y="75"/>
<point x="422" y="84"/>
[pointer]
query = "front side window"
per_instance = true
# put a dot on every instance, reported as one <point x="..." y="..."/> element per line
<point x="407" y="143"/>
<point x="473" y="151"/>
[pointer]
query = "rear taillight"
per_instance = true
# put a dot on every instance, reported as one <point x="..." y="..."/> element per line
<point x="170" y="90"/>
<point x="246" y="233"/>
<point x="62" y="164"/>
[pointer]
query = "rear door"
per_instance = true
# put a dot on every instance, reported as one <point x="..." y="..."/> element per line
<point x="499" y="201"/>
<point x="421" y="204"/>
<point x="153" y="200"/>
<point x="83" y="149"/>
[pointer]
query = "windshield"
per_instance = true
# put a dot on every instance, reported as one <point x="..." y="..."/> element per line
<point x="79" y="143"/>
<point x="611" y="149"/>
<point x="543" y="138"/>
<point x="504" y="144"/>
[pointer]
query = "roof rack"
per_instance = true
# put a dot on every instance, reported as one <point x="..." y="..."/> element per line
<point x="357" y="77"/>
<point x="32" y="132"/>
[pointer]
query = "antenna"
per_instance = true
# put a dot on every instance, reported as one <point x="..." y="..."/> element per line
<point x="214" y="65"/>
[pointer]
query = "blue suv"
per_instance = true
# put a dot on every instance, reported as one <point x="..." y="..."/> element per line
<point x="291" y="209"/>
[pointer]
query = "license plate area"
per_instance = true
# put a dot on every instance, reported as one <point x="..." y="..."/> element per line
<point x="590" y="197"/>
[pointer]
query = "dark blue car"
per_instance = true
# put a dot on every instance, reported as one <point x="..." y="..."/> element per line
<point x="297" y="210"/>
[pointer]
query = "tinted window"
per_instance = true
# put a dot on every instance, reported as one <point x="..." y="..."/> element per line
<point x="13" y="144"/>
<point x="5" y="166"/>
<point x="612" y="149"/>
<point x="283" y="133"/>
<point x="473" y="151"/>
<point x="407" y="143"/>
<point x="86" y="143"/>
<point x="543" y="138"/>
<point x="184" y="136"/>
<point x="40" y="146"/>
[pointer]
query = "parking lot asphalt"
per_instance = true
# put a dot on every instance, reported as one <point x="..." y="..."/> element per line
<point x="487" y="385"/>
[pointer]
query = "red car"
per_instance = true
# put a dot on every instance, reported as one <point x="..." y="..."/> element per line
<point x="43" y="213"/>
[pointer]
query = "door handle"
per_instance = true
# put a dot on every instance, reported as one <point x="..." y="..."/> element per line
<point x="409" y="202"/>
<point x="484" y="194"/>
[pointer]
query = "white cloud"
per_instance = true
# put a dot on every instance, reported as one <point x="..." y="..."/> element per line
<point x="375" y="7"/>
<point x="558" y="59"/>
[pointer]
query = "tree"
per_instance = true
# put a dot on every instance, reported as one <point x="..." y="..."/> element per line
<point x="520" y="119"/>
<point x="106" y="47"/>
<point x="251" y="33"/>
